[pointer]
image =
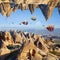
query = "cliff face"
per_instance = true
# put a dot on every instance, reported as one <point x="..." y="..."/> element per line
<point x="25" y="1"/>
<point x="6" y="38"/>
<point x="23" y="46"/>
<point x="47" y="7"/>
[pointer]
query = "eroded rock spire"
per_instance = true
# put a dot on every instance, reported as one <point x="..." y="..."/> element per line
<point x="47" y="7"/>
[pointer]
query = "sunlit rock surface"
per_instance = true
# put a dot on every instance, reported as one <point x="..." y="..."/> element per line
<point x="17" y="45"/>
<point x="47" y="6"/>
<point x="6" y="37"/>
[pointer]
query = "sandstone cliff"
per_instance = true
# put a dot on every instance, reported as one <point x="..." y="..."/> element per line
<point x="47" y="6"/>
<point x="23" y="45"/>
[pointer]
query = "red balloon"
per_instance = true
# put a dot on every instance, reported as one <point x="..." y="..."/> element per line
<point x="50" y="28"/>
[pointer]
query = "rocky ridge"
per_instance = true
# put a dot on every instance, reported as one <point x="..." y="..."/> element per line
<point x="25" y="46"/>
<point x="47" y="7"/>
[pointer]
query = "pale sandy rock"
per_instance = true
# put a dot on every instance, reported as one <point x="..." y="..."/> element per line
<point x="6" y="37"/>
<point x="18" y="38"/>
<point x="9" y="12"/>
<point x="24" y="6"/>
<point x="39" y="42"/>
<point x="4" y="51"/>
<point x="18" y="1"/>
<point x="52" y="57"/>
<point x="29" y="52"/>
<point x="6" y="9"/>
<point x="47" y="7"/>
<point x="34" y="47"/>
<point x="2" y="11"/>
<point x="31" y="8"/>
<point x="15" y="7"/>
<point x="58" y="7"/>
<point x="3" y="48"/>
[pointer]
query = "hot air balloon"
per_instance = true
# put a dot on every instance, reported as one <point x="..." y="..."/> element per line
<point x="33" y="18"/>
<point x="50" y="28"/>
<point x="25" y="22"/>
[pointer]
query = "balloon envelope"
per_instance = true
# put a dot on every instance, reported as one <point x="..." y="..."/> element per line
<point x="25" y="22"/>
<point x="33" y="18"/>
<point x="50" y="28"/>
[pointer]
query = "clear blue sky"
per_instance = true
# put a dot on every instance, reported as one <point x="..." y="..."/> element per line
<point x="19" y="16"/>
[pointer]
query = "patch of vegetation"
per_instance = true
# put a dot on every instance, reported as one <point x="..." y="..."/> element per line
<point x="2" y="0"/>
<point x="55" y="53"/>
<point x="57" y="41"/>
<point x="12" y="56"/>
<point x="12" y="46"/>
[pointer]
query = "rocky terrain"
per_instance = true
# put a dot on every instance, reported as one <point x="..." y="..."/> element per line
<point x="17" y="45"/>
<point x="47" y="6"/>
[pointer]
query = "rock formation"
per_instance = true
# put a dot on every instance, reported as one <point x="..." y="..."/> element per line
<point x="29" y="52"/>
<point x="3" y="50"/>
<point x="47" y="7"/>
<point x="24" y="46"/>
<point x="6" y="37"/>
